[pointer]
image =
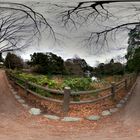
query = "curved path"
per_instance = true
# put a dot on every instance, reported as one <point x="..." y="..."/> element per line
<point x="17" y="124"/>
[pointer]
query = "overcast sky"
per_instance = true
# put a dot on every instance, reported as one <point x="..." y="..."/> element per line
<point x="72" y="45"/>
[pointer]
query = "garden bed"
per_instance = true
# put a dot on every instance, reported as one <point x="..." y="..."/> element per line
<point x="59" y="82"/>
<point x="75" y="110"/>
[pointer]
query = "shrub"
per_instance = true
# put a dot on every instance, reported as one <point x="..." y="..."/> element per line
<point x="38" y="79"/>
<point x="77" y="83"/>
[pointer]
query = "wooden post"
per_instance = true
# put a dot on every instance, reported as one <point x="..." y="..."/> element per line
<point x="126" y="86"/>
<point x="26" y="87"/>
<point x="128" y="81"/>
<point x="131" y="80"/>
<point x="66" y="100"/>
<point x="113" y="88"/>
<point x="14" y="80"/>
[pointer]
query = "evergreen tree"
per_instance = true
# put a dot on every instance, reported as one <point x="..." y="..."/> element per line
<point x="1" y="58"/>
<point x="13" y="61"/>
<point x="47" y="63"/>
<point x="133" y="51"/>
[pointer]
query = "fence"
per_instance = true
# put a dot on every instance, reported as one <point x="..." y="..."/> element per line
<point x="113" y="89"/>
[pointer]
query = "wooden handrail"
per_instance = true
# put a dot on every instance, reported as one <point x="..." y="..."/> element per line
<point x="90" y="91"/>
<point x="91" y="101"/>
<point x="61" y="91"/>
<point x="41" y="97"/>
<point x="119" y="83"/>
<point x="47" y="89"/>
<point x="73" y="92"/>
<point x="113" y="89"/>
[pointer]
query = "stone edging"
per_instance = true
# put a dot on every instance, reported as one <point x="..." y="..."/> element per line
<point x="37" y="111"/>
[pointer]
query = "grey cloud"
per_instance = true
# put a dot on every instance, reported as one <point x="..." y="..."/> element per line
<point x="72" y="45"/>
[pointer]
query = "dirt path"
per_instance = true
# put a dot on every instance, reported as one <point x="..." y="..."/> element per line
<point x="125" y="125"/>
<point x="17" y="124"/>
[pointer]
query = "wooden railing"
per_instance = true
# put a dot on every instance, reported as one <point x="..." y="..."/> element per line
<point x="112" y="90"/>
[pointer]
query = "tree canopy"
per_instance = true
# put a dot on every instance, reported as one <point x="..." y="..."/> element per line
<point x="77" y="66"/>
<point x="133" y="51"/>
<point x="111" y="68"/>
<point x="19" y="26"/>
<point x="99" y="21"/>
<point x="13" y="61"/>
<point x="47" y="63"/>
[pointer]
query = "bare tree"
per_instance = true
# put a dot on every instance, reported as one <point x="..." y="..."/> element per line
<point x="19" y="26"/>
<point x="98" y="13"/>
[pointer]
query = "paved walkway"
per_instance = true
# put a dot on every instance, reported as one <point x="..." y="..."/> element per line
<point x="17" y="124"/>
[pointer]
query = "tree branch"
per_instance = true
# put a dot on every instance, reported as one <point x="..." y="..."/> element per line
<point x="20" y="23"/>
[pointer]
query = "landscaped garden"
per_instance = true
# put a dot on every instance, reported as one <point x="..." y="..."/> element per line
<point x="59" y="82"/>
<point x="87" y="96"/>
<point x="77" y="84"/>
<point x="43" y="82"/>
<point x="43" y="79"/>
